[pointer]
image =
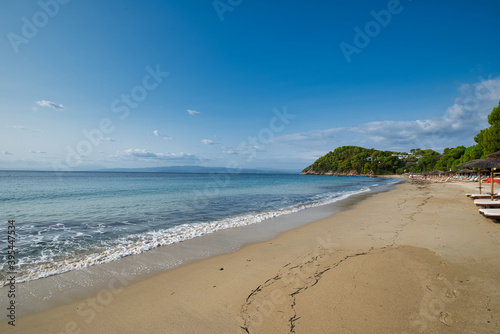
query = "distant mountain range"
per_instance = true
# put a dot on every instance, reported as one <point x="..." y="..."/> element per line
<point x="198" y="169"/>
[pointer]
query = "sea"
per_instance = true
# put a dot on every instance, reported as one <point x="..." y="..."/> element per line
<point x="73" y="220"/>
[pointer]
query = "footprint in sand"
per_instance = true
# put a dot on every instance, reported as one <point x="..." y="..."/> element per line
<point x="445" y="318"/>
<point x="451" y="294"/>
<point x="441" y="276"/>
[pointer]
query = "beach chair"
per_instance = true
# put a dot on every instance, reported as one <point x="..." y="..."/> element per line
<point x="487" y="203"/>
<point x="490" y="213"/>
<point x="482" y="196"/>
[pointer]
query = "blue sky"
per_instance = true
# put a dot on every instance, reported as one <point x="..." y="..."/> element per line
<point x="93" y="84"/>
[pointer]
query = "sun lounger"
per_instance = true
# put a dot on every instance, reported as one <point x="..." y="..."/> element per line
<point x="490" y="213"/>
<point x="476" y="196"/>
<point x="487" y="203"/>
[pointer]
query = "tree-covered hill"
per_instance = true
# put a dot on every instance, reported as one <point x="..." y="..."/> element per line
<point x="354" y="160"/>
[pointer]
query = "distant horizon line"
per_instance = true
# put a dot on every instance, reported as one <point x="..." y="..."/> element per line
<point x="187" y="169"/>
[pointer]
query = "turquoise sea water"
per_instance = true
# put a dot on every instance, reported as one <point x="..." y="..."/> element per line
<point x="77" y="219"/>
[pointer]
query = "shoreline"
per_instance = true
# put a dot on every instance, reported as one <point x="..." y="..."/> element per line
<point x="48" y="292"/>
<point x="106" y="233"/>
<point x="424" y="242"/>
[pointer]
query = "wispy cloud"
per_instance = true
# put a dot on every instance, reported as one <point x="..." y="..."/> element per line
<point x="228" y="150"/>
<point x="458" y="123"/>
<point x="108" y="140"/>
<point x="139" y="153"/>
<point x="23" y="128"/>
<point x="37" y="152"/>
<point x="208" y="141"/>
<point x="157" y="134"/>
<point x="311" y="135"/>
<point x="49" y="104"/>
<point x="7" y="153"/>
<point x="193" y="112"/>
<point x="242" y="149"/>
<point x="250" y="148"/>
<point x="143" y="154"/>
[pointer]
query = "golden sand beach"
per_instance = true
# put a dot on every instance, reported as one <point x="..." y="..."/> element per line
<point x="417" y="259"/>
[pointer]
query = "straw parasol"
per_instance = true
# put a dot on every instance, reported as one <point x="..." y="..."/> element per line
<point x="464" y="171"/>
<point x="490" y="163"/>
<point x="461" y="172"/>
<point x="495" y="155"/>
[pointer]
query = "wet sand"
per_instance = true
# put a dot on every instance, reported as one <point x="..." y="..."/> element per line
<point x="418" y="259"/>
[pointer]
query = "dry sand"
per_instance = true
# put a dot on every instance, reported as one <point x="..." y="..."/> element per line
<point x="418" y="259"/>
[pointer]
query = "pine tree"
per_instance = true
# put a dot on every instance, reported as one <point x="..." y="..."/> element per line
<point x="489" y="139"/>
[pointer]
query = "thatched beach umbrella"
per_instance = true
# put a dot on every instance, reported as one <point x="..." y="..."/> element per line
<point x="466" y="171"/>
<point x="495" y="155"/>
<point x="436" y="173"/>
<point x="461" y="172"/>
<point x="489" y="163"/>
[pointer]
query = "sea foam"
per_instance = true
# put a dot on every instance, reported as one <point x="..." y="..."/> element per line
<point x="49" y="264"/>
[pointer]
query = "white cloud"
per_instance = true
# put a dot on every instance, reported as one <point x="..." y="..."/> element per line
<point x="250" y="148"/>
<point x="49" y="104"/>
<point x="242" y="149"/>
<point x="457" y="126"/>
<point x="193" y="112"/>
<point x="173" y="156"/>
<point x="109" y="140"/>
<point x="143" y="154"/>
<point x="157" y="134"/>
<point x="207" y="141"/>
<point x="139" y="153"/>
<point x="228" y="150"/>
<point x="310" y="135"/>
<point x="23" y="128"/>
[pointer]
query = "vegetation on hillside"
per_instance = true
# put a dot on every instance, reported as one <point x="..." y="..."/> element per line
<point x="489" y="139"/>
<point x="354" y="160"/>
